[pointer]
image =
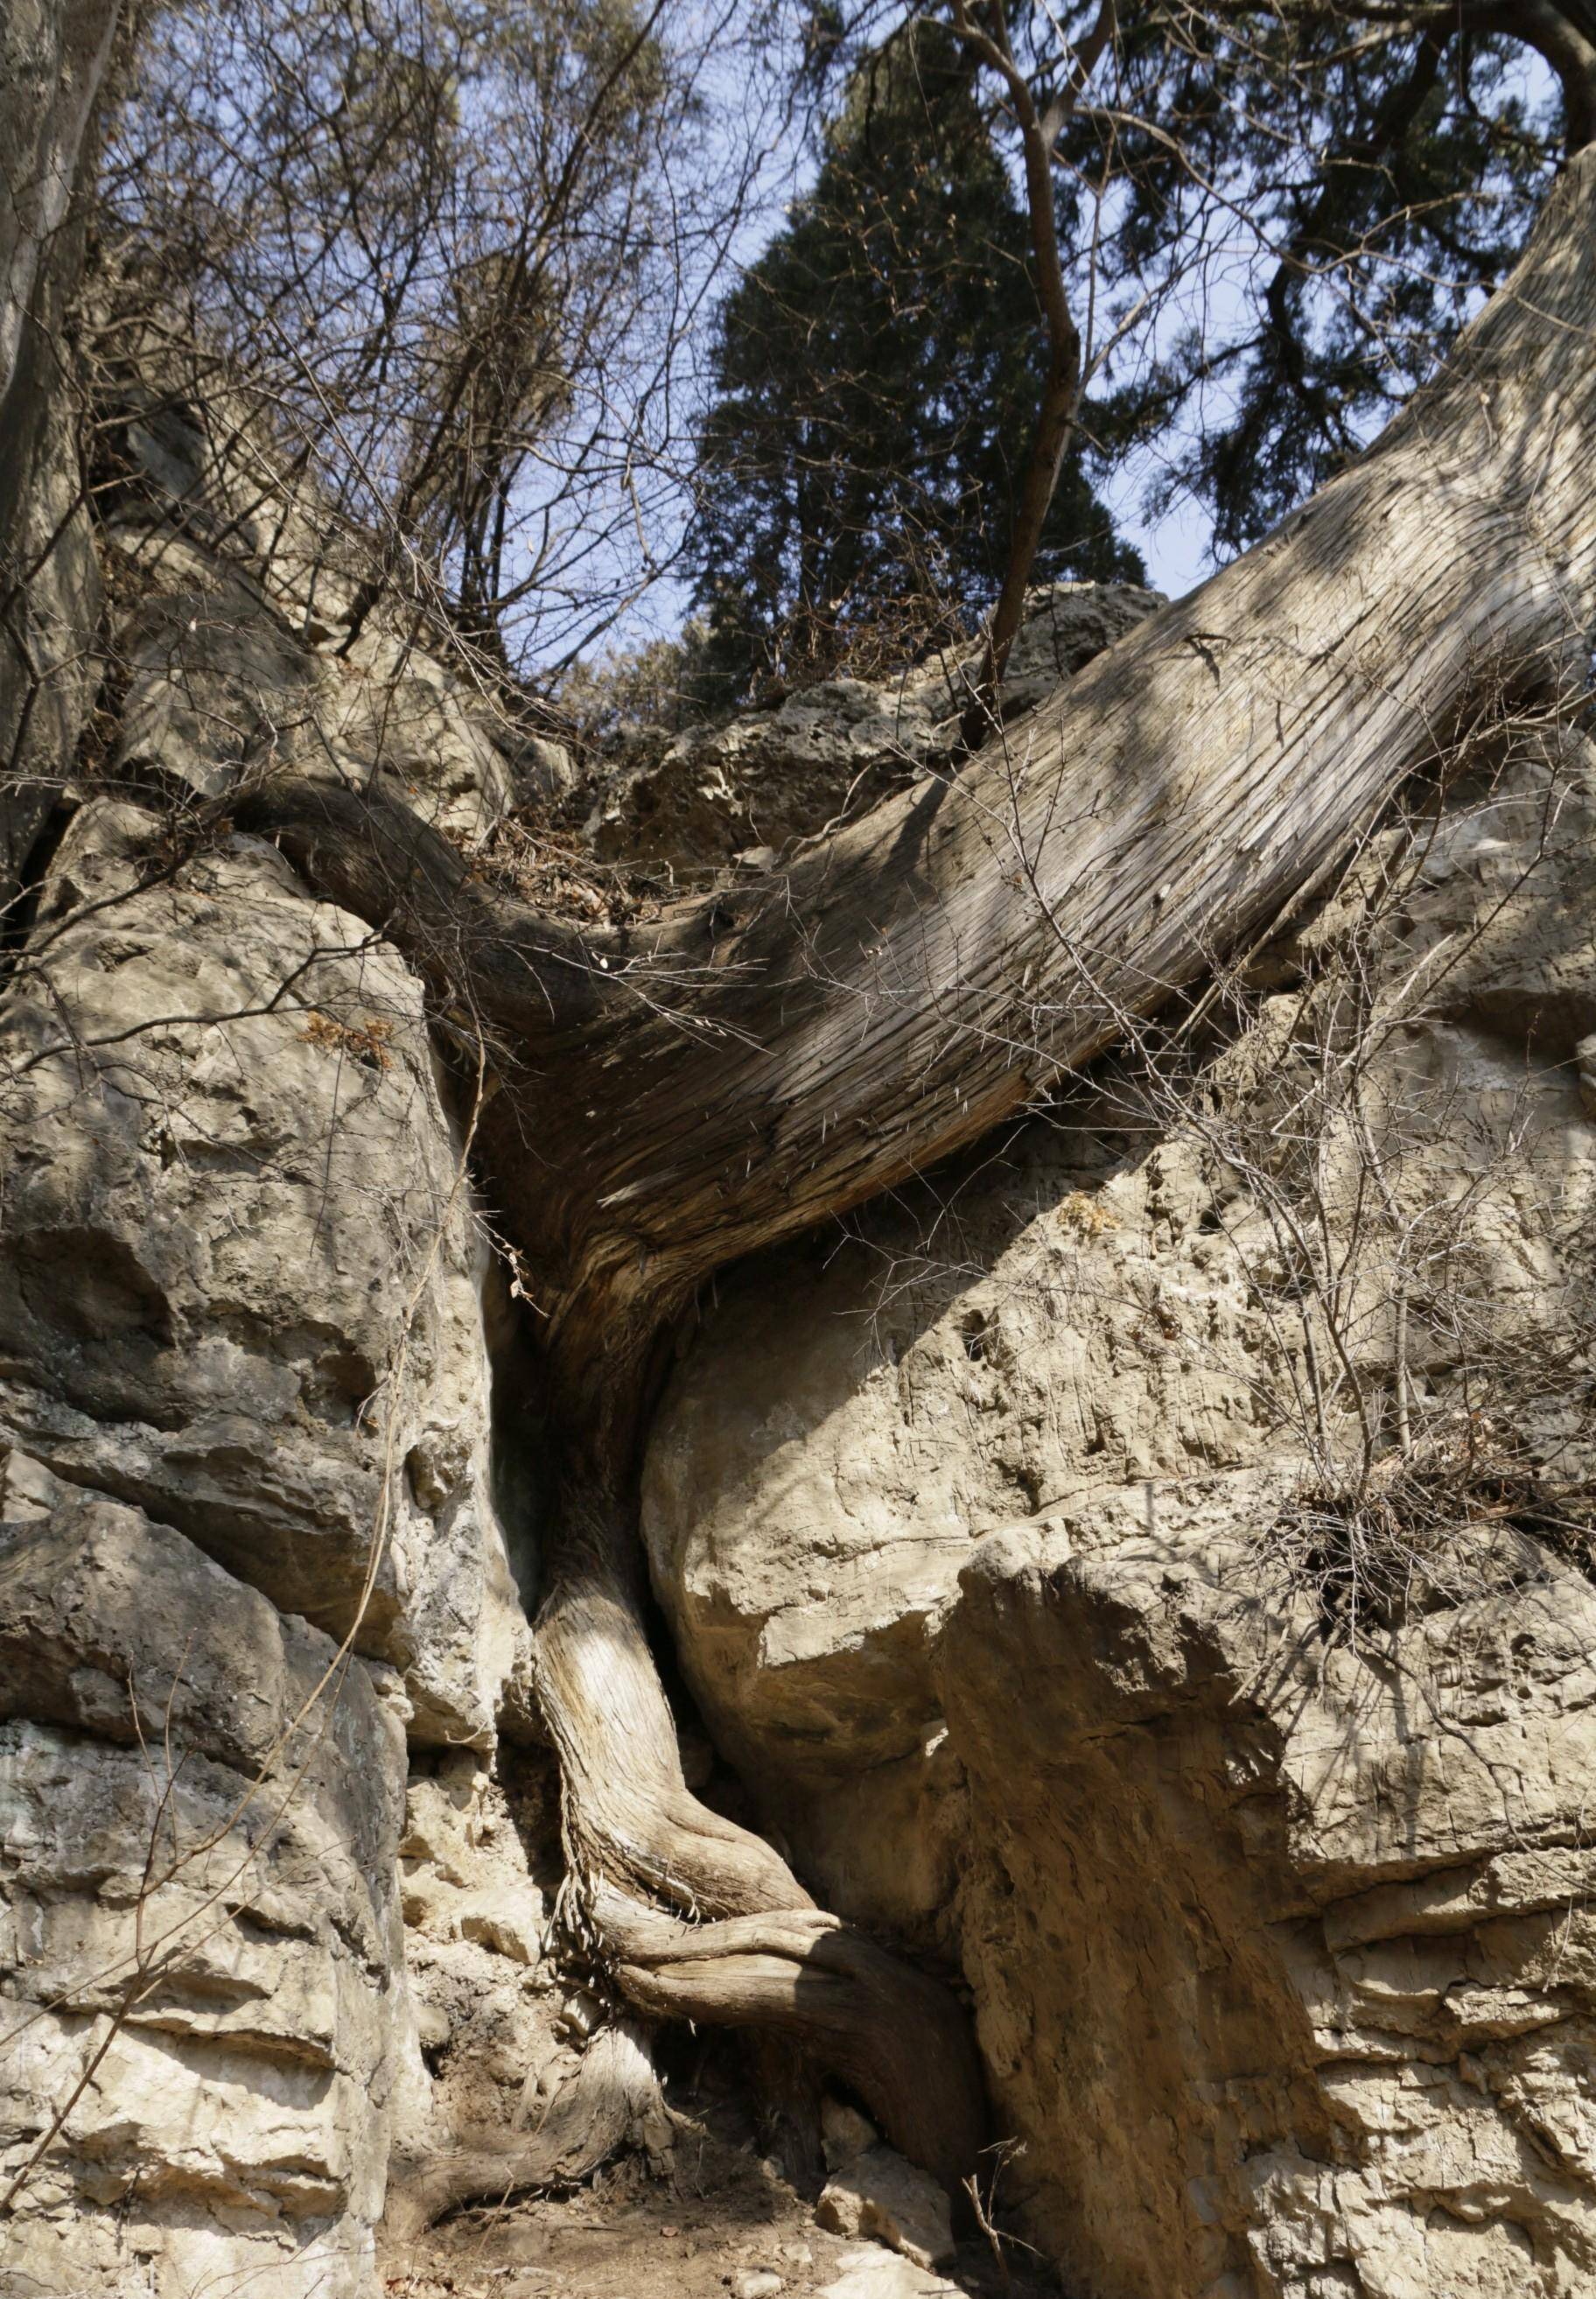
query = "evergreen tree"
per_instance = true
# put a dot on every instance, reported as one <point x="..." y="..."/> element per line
<point x="874" y="389"/>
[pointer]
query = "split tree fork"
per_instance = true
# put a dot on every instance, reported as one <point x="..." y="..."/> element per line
<point x="671" y="1097"/>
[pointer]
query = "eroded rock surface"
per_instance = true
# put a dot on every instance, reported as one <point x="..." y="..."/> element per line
<point x="246" y="1419"/>
<point x="880" y="2196"/>
<point x="1008" y="1559"/>
<point x="753" y="785"/>
<point x="241" y="1283"/>
<point x="200" y="1809"/>
<point x="1009" y="1546"/>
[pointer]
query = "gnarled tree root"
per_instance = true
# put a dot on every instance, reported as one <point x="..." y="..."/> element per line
<point x="613" y="2101"/>
<point x="697" y="1919"/>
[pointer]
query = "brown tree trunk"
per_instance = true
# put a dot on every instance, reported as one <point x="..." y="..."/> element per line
<point x="671" y="1098"/>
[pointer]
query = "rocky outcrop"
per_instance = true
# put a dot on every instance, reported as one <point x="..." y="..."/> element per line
<point x="753" y="785"/>
<point x="259" y="1551"/>
<point x="479" y="1876"/>
<point x="1282" y="1952"/>
<point x="242" y="1286"/>
<point x="52" y="61"/>
<point x="202" y="1998"/>
<point x="1019" y="1550"/>
<point x="1009" y="1562"/>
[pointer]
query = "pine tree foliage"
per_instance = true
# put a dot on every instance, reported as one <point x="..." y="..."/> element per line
<point x="1301" y="205"/>
<point x="874" y="383"/>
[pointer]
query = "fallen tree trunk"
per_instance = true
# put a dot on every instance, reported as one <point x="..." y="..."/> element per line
<point x="669" y="1101"/>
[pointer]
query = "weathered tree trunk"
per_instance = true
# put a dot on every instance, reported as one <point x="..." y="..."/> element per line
<point x="52" y="65"/>
<point x="669" y="1100"/>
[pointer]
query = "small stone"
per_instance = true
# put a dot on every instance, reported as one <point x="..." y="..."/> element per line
<point x="508" y="1919"/>
<point x="755" y="2283"/>
<point x="882" y="2196"/>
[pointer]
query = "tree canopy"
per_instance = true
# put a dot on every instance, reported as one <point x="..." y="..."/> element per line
<point x="1342" y="185"/>
<point x="874" y="383"/>
<point x="476" y="268"/>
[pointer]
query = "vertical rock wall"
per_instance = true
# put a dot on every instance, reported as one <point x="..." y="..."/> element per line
<point x="200" y="1810"/>
<point x="251" y="1558"/>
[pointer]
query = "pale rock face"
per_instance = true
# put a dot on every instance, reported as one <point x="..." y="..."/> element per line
<point x="236" y="1245"/>
<point x="865" y="2271"/>
<point x="478" y="1876"/>
<point x="815" y="1481"/>
<point x="219" y="682"/>
<point x="215" y="679"/>
<point x="1282" y="1950"/>
<point x="51" y="63"/>
<point x="973" y="1550"/>
<point x="242" y="1295"/>
<point x="1065" y="625"/>
<point x="200" y="1807"/>
<point x="246" y="1413"/>
<point x="395" y="710"/>
<point x="880" y="2196"/>
<point x="756" y="783"/>
<point x="227" y="669"/>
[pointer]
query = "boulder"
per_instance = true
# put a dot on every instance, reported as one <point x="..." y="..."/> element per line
<point x="753" y="785"/>
<point x="995" y="1556"/>
<point x="879" y="2195"/>
<point x="844" y="2132"/>
<point x="1282" y="1952"/>
<point x="1065" y="626"/>
<point x="865" y="2271"/>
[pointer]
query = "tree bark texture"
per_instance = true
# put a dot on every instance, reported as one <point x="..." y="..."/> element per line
<point x="671" y="1098"/>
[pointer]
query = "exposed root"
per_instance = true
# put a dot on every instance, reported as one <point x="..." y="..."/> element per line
<point x="697" y="1919"/>
<point x="613" y="2101"/>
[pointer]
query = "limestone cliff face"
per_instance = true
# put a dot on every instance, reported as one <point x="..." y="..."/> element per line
<point x="217" y="1948"/>
<point x="260" y="1622"/>
<point x="979" y="1532"/>
<point x="985" y="1556"/>
<point x="252" y="1567"/>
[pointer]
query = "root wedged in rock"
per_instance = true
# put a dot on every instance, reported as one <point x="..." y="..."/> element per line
<point x="698" y="1919"/>
<point x="613" y="2101"/>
